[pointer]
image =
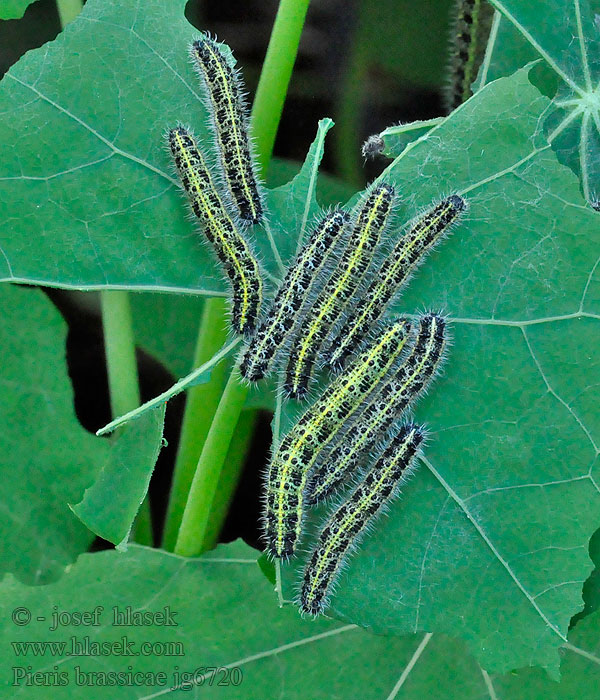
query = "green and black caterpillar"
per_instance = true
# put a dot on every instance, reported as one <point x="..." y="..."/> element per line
<point x="471" y="30"/>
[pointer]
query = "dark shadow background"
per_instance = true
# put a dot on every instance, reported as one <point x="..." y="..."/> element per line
<point x="346" y="69"/>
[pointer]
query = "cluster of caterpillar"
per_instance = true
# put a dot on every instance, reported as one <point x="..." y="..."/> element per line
<point x="227" y="203"/>
<point x="326" y="310"/>
<point x="380" y="374"/>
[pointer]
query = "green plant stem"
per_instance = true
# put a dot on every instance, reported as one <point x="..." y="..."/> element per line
<point x="200" y="407"/>
<point x="275" y="76"/>
<point x="266" y="113"/>
<point x="119" y="343"/>
<point x="230" y="475"/>
<point x="349" y="110"/>
<point x="68" y="10"/>
<point x="119" y="347"/>
<point x="191" y="539"/>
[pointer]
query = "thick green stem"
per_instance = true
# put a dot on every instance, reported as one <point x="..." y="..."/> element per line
<point x="349" y="111"/>
<point x="119" y="347"/>
<point x="191" y="539"/>
<point x="68" y="10"/>
<point x="275" y="76"/>
<point x="266" y="113"/>
<point x="201" y="404"/>
<point x="230" y="475"/>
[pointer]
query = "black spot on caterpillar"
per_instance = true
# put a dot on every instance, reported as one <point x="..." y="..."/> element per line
<point x="281" y="317"/>
<point x="472" y="24"/>
<point x="290" y="466"/>
<point x="395" y="272"/>
<point x="348" y="522"/>
<point x="397" y="393"/>
<point x="229" y="117"/>
<point x="370" y="218"/>
<point x="231" y="248"/>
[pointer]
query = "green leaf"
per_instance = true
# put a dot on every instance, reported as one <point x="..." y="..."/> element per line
<point x="489" y="539"/>
<point x="165" y="325"/>
<point x="100" y="201"/>
<point x="47" y="457"/>
<point x="13" y="9"/>
<point x="110" y="504"/>
<point x="397" y="138"/>
<point x="224" y="617"/>
<point x="568" y="41"/>
<point x="294" y="206"/>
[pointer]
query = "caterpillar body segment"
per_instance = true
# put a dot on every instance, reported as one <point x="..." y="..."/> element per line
<point x="281" y="317"/>
<point x="229" y="113"/>
<point x="232" y="249"/>
<point x="393" y="274"/>
<point x="472" y="25"/>
<point x="290" y="466"/>
<point x="348" y="522"/>
<point x="370" y="219"/>
<point x="397" y="393"/>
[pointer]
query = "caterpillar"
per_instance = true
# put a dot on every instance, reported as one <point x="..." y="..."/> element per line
<point x="290" y="298"/>
<point x="230" y="246"/>
<point x="369" y="221"/>
<point x="372" y="147"/>
<point x="472" y="25"/>
<point x="397" y="393"/>
<point x="346" y="525"/>
<point x="229" y="113"/>
<point x="396" y="270"/>
<point x="291" y="464"/>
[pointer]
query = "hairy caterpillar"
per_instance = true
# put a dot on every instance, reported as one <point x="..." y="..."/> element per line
<point x="472" y="24"/>
<point x="290" y="298"/>
<point x="369" y="221"/>
<point x="229" y="114"/>
<point x="396" y="270"/>
<point x="372" y="147"/>
<point x="349" y="521"/>
<point x="397" y="393"/>
<point x="291" y="465"/>
<point x="230" y="246"/>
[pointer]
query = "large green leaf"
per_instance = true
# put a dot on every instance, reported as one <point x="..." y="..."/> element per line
<point x="567" y="39"/>
<point x="13" y="9"/>
<point x="224" y="618"/>
<point x="48" y="458"/>
<point x="489" y="540"/>
<point x="110" y="504"/>
<point x="99" y="206"/>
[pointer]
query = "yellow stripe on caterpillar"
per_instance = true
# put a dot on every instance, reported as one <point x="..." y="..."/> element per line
<point x="290" y="466"/>
<point x="229" y="118"/>
<point x="394" y="273"/>
<point x="397" y="394"/>
<point x="370" y="218"/>
<point x="282" y="316"/>
<point x="348" y="522"/>
<point x="231" y="247"/>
